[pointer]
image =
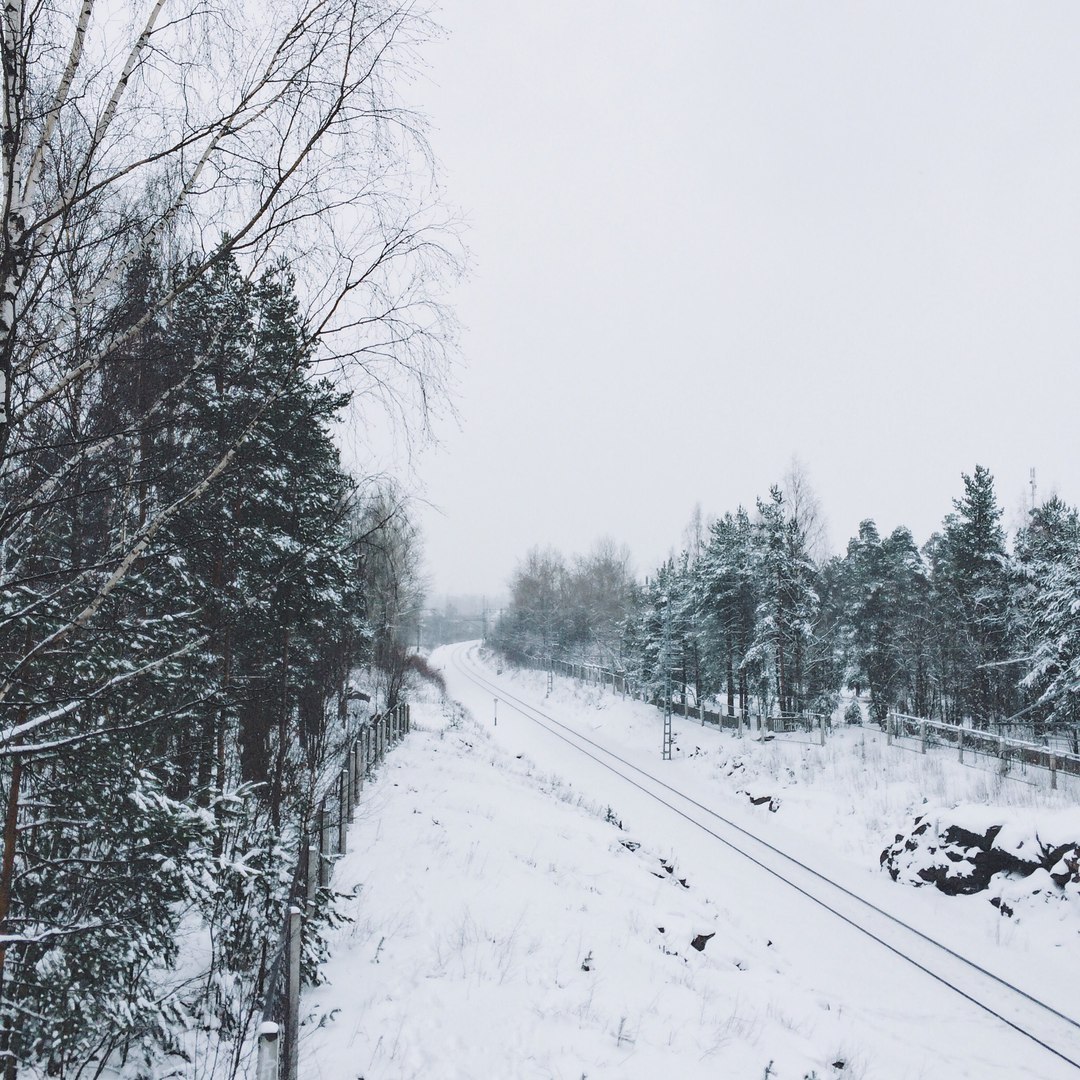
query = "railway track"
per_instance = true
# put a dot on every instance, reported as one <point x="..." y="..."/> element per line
<point x="1050" y="1030"/>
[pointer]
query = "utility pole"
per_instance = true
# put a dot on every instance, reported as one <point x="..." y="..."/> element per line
<point x="666" y="754"/>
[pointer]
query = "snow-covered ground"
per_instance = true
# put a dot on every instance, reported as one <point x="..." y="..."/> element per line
<point x="505" y="925"/>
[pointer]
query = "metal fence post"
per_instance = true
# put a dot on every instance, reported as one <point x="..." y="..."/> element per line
<point x="269" y="1045"/>
<point x="292" y="1024"/>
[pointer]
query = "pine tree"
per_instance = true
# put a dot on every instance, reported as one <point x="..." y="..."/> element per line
<point x="970" y="578"/>
<point x="787" y="608"/>
<point x="1047" y="575"/>
<point x="885" y="590"/>
<point x="728" y="600"/>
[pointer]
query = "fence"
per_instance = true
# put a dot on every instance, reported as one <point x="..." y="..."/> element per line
<point x="325" y="839"/>
<point x="622" y="683"/>
<point x="970" y="741"/>
<point x="974" y="742"/>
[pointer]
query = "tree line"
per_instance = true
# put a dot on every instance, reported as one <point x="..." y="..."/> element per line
<point x="967" y="628"/>
<point x="217" y="241"/>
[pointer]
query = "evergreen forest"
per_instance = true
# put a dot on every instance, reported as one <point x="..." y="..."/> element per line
<point x="973" y="627"/>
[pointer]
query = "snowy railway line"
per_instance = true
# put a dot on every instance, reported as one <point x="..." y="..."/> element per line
<point x="1050" y="1031"/>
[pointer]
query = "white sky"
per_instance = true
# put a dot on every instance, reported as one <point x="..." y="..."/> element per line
<point x="708" y="236"/>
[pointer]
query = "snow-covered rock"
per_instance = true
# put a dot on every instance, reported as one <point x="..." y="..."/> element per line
<point x="964" y="849"/>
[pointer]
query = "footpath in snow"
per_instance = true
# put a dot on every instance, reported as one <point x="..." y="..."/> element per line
<point x="511" y="915"/>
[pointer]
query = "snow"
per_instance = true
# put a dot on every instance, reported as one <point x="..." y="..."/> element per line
<point x="504" y="925"/>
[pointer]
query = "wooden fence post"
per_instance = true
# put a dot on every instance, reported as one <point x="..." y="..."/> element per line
<point x="922" y="736"/>
<point x="822" y="729"/>
<point x="960" y="743"/>
<point x="269" y="1046"/>
<point x="292" y="1024"/>
<point x="890" y="723"/>
<point x="1053" y="770"/>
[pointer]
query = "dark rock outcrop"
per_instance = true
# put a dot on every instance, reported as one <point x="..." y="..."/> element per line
<point x="960" y="861"/>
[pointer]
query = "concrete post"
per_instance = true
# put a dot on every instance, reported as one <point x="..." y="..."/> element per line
<point x="292" y="1024"/>
<point x="269" y="1044"/>
<point x="343" y="809"/>
<point x="311" y="872"/>
<point x="324" y="844"/>
<point x="349" y="800"/>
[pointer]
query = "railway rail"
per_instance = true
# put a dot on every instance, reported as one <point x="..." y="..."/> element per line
<point x="1048" y="1028"/>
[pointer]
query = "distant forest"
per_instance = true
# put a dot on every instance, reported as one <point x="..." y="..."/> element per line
<point x="967" y="628"/>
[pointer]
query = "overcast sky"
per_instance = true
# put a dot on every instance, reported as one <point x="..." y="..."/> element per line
<point x="710" y="236"/>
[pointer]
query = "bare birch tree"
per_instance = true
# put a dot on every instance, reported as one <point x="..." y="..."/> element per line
<point x="197" y="133"/>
